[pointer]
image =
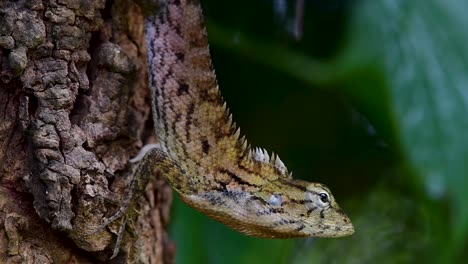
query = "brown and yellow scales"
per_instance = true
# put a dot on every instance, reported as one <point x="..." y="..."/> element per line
<point x="201" y="151"/>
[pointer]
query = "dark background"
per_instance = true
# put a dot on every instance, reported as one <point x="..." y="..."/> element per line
<point x="370" y="99"/>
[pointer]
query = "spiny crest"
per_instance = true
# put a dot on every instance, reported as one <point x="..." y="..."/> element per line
<point x="243" y="143"/>
<point x="258" y="154"/>
<point x="261" y="155"/>
<point x="241" y="140"/>
<point x="228" y="115"/>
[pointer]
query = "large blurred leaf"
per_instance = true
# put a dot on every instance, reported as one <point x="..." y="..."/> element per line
<point x="422" y="49"/>
<point x="405" y="67"/>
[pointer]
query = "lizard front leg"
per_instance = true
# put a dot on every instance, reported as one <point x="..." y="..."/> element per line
<point x="151" y="161"/>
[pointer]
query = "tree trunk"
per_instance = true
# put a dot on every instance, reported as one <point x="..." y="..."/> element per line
<point x="74" y="108"/>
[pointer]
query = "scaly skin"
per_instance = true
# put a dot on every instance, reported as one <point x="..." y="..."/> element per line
<point x="217" y="173"/>
<point x="201" y="152"/>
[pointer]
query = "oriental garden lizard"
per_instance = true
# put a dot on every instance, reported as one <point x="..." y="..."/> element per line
<point x="202" y="153"/>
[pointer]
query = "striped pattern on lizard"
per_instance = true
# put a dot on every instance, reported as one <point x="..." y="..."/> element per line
<point x="218" y="173"/>
<point x="201" y="151"/>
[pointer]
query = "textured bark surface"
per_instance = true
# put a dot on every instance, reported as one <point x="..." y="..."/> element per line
<point x="74" y="108"/>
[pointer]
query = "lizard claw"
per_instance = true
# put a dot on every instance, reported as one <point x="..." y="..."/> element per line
<point x="123" y="223"/>
<point x="119" y="213"/>
<point x="118" y="242"/>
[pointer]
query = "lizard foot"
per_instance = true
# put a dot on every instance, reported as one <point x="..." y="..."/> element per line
<point x="148" y="159"/>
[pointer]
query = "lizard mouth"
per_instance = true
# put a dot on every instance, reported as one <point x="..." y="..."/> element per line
<point x="335" y="231"/>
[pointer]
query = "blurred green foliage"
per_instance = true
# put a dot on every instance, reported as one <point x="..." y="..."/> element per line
<point x="372" y="101"/>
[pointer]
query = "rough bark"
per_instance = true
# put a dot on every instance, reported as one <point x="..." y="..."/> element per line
<point x="74" y="108"/>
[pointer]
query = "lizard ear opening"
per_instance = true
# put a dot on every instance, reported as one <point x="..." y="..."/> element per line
<point x="275" y="200"/>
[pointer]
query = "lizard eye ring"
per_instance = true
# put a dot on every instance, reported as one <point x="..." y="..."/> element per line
<point x="323" y="196"/>
<point x="323" y="199"/>
<point x="317" y="199"/>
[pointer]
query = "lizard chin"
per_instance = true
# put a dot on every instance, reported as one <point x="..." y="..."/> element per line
<point x="333" y="223"/>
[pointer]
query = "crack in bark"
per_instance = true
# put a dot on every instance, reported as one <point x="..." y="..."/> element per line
<point x="71" y="117"/>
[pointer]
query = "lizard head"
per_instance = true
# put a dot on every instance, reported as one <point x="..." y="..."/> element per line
<point x="322" y="216"/>
<point x="296" y="208"/>
<point x="283" y="208"/>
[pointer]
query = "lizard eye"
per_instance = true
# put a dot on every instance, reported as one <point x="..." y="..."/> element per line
<point x="275" y="200"/>
<point x="323" y="199"/>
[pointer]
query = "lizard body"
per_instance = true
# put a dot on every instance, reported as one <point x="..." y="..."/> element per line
<point x="201" y="152"/>
<point x="217" y="172"/>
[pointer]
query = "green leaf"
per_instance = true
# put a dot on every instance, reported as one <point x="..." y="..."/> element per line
<point x="421" y="48"/>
